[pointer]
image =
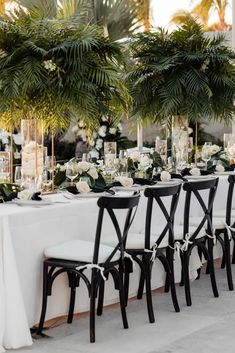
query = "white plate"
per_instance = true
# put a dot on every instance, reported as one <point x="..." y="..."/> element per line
<point x="32" y="202"/>
<point x="89" y="195"/>
<point x="169" y="182"/>
<point x="131" y="188"/>
<point x="225" y="173"/>
<point x="195" y="177"/>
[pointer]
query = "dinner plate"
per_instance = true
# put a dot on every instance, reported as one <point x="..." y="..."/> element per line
<point x="225" y="173"/>
<point x="195" y="177"/>
<point x="131" y="188"/>
<point x="32" y="202"/>
<point x="169" y="182"/>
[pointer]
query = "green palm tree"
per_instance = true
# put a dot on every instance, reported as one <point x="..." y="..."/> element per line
<point x="53" y="69"/>
<point x="202" y="11"/>
<point x="118" y="18"/>
<point x="182" y="73"/>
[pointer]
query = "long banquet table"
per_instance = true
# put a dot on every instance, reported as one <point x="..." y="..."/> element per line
<point x="26" y="231"/>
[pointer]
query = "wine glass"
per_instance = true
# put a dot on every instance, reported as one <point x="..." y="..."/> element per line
<point x="72" y="170"/>
<point x="18" y="176"/>
<point x="206" y="153"/>
<point x="50" y="163"/>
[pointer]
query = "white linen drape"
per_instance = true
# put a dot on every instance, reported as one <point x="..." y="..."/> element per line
<point x="14" y="328"/>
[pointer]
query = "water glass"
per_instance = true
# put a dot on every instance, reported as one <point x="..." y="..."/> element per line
<point x="72" y="170"/>
<point x="18" y="176"/>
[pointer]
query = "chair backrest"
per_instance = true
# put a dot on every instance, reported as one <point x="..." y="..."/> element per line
<point x="229" y="202"/>
<point x="195" y="188"/>
<point x="157" y="193"/>
<point x="110" y="204"/>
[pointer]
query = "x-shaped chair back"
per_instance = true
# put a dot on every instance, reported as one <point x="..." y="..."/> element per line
<point x="111" y="203"/>
<point x="195" y="188"/>
<point x="157" y="193"/>
<point x="231" y="180"/>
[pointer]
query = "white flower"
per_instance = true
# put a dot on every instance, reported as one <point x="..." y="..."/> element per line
<point x="214" y="149"/>
<point x="219" y="168"/>
<point x="112" y="130"/>
<point x="94" y="134"/>
<point x="135" y="156"/>
<point x="83" y="167"/>
<point x="61" y="167"/>
<point x="195" y="171"/>
<point x="102" y="131"/>
<point x="93" y="173"/>
<point x="17" y="139"/>
<point x="75" y="129"/>
<point x="92" y="143"/>
<point x="103" y="118"/>
<point x="17" y="154"/>
<point x="25" y="194"/>
<point x="49" y="65"/>
<point x="165" y="176"/>
<point x="99" y="144"/>
<point x="145" y="161"/>
<point x="83" y="187"/>
<point x="231" y="150"/>
<point x="125" y="181"/>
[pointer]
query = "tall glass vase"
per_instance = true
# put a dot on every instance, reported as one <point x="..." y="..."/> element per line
<point x="180" y="140"/>
<point x="32" y="153"/>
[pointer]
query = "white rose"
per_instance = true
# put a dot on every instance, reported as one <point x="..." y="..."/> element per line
<point x="83" y="167"/>
<point x="219" y="168"/>
<point x="214" y="149"/>
<point x="75" y="129"/>
<point x="83" y="187"/>
<point x="112" y="130"/>
<point x="145" y="161"/>
<point x="125" y="181"/>
<point x="165" y="176"/>
<point x="195" y="171"/>
<point x="93" y="173"/>
<point x="231" y="150"/>
<point x="92" y="143"/>
<point x="99" y="144"/>
<point x="102" y="131"/>
<point x="135" y="156"/>
<point x="25" y="194"/>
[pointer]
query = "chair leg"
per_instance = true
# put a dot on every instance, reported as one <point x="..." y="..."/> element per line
<point x="147" y="267"/>
<point x="186" y="279"/>
<point x="100" y="299"/>
<point x="228" y="261"/>
<point x="233" y="257"/>
<point x="182" y="269"/>
<point x="44" y="299"/>
<point x="172" y="280"/>
<point x="141" y="286"/>
<point x="126" y="286"/>
<point x="122" y="300"/>
<point x="92" y="307"/>
<point x="211" y="267"/>
<point x="71" y="305"/>
<point x="199" y="270"/>
<point x="168" y="278"/>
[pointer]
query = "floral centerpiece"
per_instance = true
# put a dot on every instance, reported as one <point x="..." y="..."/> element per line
<point x="142" y="165"/>
<point x="217" y="155"/>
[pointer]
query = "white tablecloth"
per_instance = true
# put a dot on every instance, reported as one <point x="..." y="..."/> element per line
<point x="26" y="231"/>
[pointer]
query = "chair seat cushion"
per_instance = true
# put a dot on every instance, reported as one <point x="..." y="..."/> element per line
<point x="79" y="250"/>
<point x="218" y="222"/>
<point x="136" y="241"/>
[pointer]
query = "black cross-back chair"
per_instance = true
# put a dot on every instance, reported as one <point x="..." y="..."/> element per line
<point x="225" y="226"/>
<point x="112" y="264"/>
<point x="152" y="247"/>
<point x="189" y="241"/>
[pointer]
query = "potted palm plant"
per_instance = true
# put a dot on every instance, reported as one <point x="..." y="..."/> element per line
<point x="53" y="70"/>
<point x="182" y="75"/>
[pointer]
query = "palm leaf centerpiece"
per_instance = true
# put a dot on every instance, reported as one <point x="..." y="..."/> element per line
<point x="52" y="69"/>
<point x="182" y="73"/>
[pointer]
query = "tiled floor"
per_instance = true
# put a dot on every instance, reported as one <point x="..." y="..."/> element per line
<point x="207" y="326"/>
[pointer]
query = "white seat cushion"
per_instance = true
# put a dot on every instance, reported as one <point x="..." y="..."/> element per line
<point x="218" y="222"/>
<point x="79" y="250"/>
<point x="135" y="241"/>
<point x="219" y="213"/>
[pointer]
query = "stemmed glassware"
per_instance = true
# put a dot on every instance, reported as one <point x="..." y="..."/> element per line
<point x="72" y="170"/>
<point x="18" y="176"/>
<point x="50" y="163"/>
<point x="206" y="153"/>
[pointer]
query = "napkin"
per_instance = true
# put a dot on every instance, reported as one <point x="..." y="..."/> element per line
<point x="219" y="168"/>
<point x="165" y="176"/>
<point x="83" y="187"/>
